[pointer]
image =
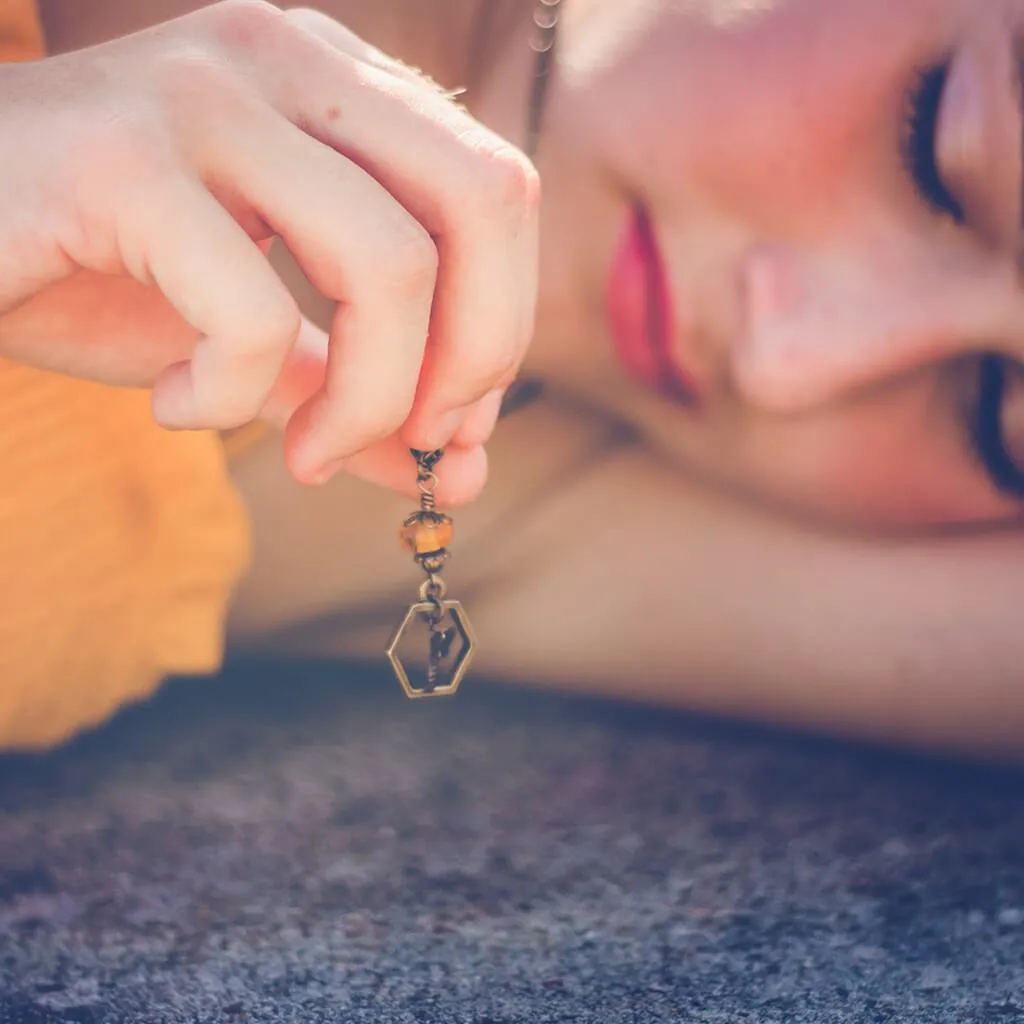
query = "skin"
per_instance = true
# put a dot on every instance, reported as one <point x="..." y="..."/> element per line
<point x="815" y="543"/>
<point x="156" y="170"/>
<point x="828" y="309"/>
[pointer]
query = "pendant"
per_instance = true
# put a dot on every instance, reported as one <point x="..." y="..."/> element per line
<point x="432" y="647"/>
<point x="442" y="631"/>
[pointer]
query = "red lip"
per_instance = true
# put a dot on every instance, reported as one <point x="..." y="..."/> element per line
<point x="641" y="314"/>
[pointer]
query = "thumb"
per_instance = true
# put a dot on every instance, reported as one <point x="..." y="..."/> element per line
<point x="301" y="376"/>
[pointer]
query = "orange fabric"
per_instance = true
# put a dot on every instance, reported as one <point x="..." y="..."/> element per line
<point x="119" y="542"/>
<point x="21" y="37"/>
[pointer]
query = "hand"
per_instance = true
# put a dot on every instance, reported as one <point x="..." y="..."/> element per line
<point x="153" y="171"/>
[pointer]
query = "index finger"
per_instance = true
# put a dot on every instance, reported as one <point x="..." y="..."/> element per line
<point x="180" y="239"/>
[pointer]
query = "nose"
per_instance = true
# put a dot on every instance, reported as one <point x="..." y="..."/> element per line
<point x="889" y="288"/>
<point x="822" y="325"/>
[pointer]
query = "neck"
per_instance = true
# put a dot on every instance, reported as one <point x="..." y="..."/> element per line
<point x="502" y="67"/>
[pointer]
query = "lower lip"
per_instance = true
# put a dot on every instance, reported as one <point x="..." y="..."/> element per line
<point x="641" y="314"/>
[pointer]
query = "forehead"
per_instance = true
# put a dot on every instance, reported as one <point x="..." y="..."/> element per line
<point x="813" y="23"/>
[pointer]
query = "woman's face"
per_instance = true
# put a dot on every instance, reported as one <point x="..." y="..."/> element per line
<point x="783" y="238"/>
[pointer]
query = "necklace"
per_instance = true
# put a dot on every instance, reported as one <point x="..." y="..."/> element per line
<point x="545" y="36"/>
<point x="543" y="43"/>
<point x="434" y="623"/>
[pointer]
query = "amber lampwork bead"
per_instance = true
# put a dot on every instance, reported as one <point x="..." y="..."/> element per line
<point x="426" y="532"/>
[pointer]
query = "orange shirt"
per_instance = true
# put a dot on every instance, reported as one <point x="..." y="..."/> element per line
<point x="119" y="542"/>
<point x="21" y="37"/>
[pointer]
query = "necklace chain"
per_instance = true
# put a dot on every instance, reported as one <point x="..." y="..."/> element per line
<point x="545" y="35"/>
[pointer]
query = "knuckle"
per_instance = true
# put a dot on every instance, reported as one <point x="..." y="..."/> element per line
<point x="192" y="79"/>
<point x="358" y="428"/>
<point x="244" y="25"/>
<point x="508" y="182"/>
<point x="279" y="326"/>
<point x="306" y="16"/>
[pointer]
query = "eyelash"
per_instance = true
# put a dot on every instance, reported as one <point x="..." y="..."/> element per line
<point x="987" y="426"/>
<point x="920" y="139"/>
<point x="919" y="143"/>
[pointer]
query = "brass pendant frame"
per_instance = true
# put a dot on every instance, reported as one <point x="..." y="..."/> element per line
<point x="460" y="620"/>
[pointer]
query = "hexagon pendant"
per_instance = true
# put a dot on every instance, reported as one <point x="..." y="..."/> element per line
<point x="448" y="643"/>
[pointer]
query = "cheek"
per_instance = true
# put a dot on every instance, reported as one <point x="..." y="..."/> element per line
<point x="775" y="117"/>
<point x="887" y="477"/>
<point x="895" y="463"/>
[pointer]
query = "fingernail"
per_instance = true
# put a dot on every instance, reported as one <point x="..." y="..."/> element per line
<point x="445" y="427"/>
<point x="328" y="471"/>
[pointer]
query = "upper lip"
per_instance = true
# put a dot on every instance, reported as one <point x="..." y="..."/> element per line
<point x="662" y="325"/>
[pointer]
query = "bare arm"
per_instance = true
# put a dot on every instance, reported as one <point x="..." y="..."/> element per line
<point x="641" y="585"/>
<point x="620" y="577"/>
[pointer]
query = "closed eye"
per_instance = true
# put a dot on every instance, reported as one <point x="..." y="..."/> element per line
<point x="997" y="384"/>
<point x="919" y="141"/>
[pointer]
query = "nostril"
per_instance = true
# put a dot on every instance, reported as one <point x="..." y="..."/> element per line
<point x="770" y="360"/>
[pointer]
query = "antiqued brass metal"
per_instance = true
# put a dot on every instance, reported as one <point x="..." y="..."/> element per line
<point x="436" y="614"/>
